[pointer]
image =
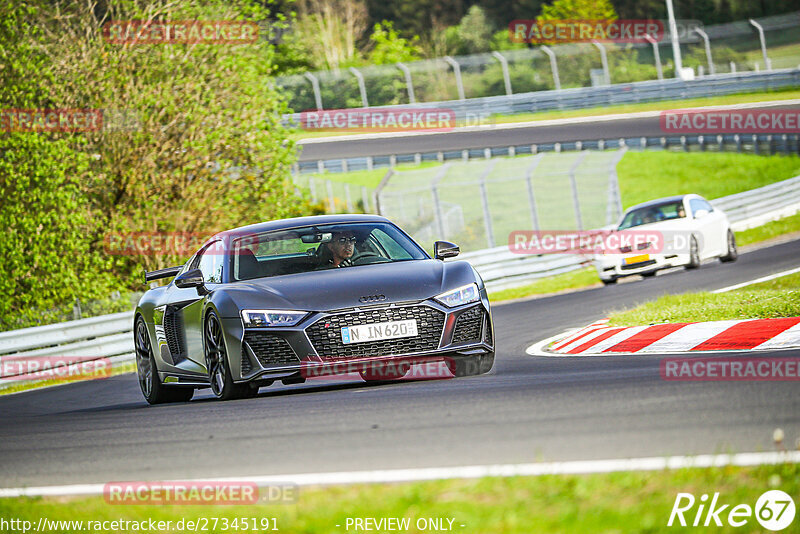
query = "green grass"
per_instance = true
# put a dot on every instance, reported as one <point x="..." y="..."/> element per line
<point x="787" y="225"/>
<point x="645" y="176"/>
<point x="579" y="279"/>
<point x="775" y="298"/>
<point x="779" y="94"/>
<point x="614" y="502"/>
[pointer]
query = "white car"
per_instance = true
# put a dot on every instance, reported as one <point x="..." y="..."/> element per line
<point x="692" y="230"/>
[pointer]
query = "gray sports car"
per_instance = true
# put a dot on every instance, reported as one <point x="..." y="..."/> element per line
<point x="312" y="296"/>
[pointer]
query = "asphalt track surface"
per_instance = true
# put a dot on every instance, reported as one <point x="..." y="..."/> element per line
<point x="588" y="129"/>
<point x="529" y="409"/>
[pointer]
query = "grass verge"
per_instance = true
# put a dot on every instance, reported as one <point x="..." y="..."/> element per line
<point x="611" y="502"/>
<point x="787" y="225"/>
<point x="742" y="98"/>
<point x="578" y="279"/>
<point x="16" y="387"/>
<point x="775" y="298"/>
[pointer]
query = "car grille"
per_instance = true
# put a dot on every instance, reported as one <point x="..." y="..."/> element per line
<point x="270" y="349"/>
<point x="468" y="325"/>
<point x="637" y="265"/>
<point x="173" y="330"/>
<point x="326" y="334"/>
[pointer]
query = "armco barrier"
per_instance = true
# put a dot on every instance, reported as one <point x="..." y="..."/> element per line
<point x="105" y="336"/>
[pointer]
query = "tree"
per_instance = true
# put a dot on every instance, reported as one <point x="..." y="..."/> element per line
<point x="390" y="48"/>
<point x="331" y="30"/>
<point x="579" y="10"/>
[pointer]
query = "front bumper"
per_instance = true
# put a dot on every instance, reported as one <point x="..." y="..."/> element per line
<point x="613" y="267"/>
<point x="314" y="347"/>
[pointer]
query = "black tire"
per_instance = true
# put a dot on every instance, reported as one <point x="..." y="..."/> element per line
<point x="466" y="365"/>
<point x="733" y="252"/>
<point x="219" y="373"/>
<point x="147" y="373"/>
<point x="694" y="255"/>
<point x="609" y="282"/>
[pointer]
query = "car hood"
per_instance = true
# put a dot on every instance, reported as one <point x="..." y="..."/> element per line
<point x="333" y="289"/>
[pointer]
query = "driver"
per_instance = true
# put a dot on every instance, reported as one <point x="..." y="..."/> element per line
<point x="341" y="248"/>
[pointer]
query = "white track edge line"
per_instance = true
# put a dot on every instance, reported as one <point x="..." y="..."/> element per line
<point x="471" y="471"/>
<point x="758" y="280"/>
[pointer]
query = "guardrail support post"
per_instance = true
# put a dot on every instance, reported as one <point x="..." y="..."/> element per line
<point x="656" y="55"/>
<point x="487" y="217"/>
<point x="553" y="65"/>
<point x="531" y="197"/>
<point x="362" y="88"/>
<point x="457" y="71"/>
<point x="704" y="35"/>
<point x="315" y="86"/>
<point x="604" y="60"/>
<point x="574" y="185"/>
<point x="767" y="65"/>
<point x="365" y="199"/>
<point x="409" y="84"/>
<point x="504" y="65"/>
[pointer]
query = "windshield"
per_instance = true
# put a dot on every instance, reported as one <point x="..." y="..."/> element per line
<point x="315" y="248"/>
<point x="651" y="214"/>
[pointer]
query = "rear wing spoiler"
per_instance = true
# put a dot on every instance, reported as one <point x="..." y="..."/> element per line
<point x="161" y="273"/>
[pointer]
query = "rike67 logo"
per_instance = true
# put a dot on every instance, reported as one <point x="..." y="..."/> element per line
<point x="774" y="510"/>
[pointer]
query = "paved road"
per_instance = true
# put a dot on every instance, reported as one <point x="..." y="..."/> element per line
<point x="587" y="129"/>
<point x="529" y="409"/>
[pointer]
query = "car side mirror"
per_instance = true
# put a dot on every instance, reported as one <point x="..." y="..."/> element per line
<point x="445" y="249"/>
<point x="699" y="214"/>
<point x="191" y="278"/>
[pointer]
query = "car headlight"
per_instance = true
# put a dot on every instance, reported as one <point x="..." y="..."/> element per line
<point x="259" y="318"/>
<point x="460" y="295"/>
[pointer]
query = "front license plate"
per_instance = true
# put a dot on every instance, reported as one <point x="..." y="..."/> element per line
<point x="379" y="331"/>
<point x="637" y="259"/>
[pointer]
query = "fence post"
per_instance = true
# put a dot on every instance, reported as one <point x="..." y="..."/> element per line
<point x="604" y="59"/>
<point x="365" y="199"/>
<point x="767" y="65"/>
<point x="315" y="87"/>
<point x="574" y="184"/>
<point x="504" y="65"/>
<point x="437" y="207"/>
<point x="487" y="216"/>
<point x="312" y="189"/>
<point x="553" y="65"/>
<point x="656" y="55"/>
<point x="409" y="84"/>
<point x="614" y="197"/>
<point x="704" y="35"/>
<point x="331" y="200"/>
<point x="347" y="198"/>
<point x="529" y="182"/>
<point x="377" y="193"/>
<point x="362" y="88"/>
<point x="457" y="70"/>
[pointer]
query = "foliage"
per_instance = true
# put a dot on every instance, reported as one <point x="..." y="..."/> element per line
<point x="579" y="10"/>
<point x="331" y="30"/>
<point x="205" y="152"/>
<point x="390" y="48"/>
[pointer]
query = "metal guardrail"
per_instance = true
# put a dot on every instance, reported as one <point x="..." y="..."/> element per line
<point x="110" y="335"/>
<point x="500" y="268"/>
<point x="82" y="340"/>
